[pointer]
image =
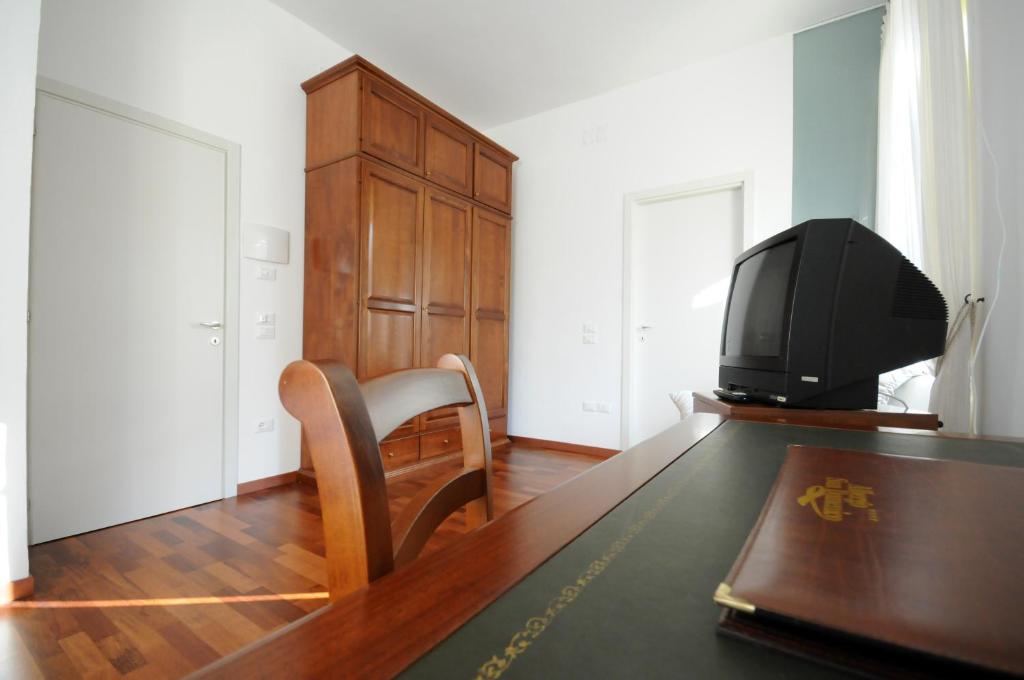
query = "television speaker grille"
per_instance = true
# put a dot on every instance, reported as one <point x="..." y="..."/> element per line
<point x="916" y="297"/>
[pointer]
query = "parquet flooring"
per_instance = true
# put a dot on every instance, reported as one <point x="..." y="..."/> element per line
<point x="163" y="596"/>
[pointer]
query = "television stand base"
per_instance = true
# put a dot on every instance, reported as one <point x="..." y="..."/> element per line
<point x="866" y="419"/>
<point x="859" y="395"/>
<point x="735" y="396"/>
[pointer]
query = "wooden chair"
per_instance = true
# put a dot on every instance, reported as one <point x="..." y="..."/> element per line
<point x="343" y="423"/>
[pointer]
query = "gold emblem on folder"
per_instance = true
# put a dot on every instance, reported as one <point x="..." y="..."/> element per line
<point x="836" y="497"/>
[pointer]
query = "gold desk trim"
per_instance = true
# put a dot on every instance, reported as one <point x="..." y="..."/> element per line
<point x="724" y="597"/>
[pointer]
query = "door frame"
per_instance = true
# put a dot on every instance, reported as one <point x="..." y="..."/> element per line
<point x="744" y="181"/>
<point x="232" y="252"/>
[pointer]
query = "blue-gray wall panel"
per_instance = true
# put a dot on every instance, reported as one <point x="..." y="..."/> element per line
<point x="835" y="118"/>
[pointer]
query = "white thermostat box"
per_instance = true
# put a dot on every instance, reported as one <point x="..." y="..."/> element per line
<point x="270" y="244"/>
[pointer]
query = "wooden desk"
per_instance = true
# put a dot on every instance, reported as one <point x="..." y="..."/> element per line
<point x="590" y="578"/>
<point x="704" y="402"/>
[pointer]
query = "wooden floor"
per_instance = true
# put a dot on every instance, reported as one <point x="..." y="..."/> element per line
<point x="163" y="596"/>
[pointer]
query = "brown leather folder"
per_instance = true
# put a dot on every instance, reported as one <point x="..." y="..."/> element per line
<point x="861" y="557"/>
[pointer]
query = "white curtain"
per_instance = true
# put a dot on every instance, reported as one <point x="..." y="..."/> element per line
<point x="926" y="181"/>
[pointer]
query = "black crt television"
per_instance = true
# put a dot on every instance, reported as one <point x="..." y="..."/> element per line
<point x="817" y="312"/>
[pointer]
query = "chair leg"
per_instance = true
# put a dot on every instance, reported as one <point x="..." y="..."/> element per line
<point x="476" y="513"/>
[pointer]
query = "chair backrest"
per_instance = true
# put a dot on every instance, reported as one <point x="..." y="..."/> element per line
<point x="343" y="423"/>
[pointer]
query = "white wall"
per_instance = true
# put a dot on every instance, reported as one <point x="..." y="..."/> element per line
<point x="997" y="56"/>
<point x="727" y="115"/>
<point x="231" y="68"/>
<point x="19" y="34"/>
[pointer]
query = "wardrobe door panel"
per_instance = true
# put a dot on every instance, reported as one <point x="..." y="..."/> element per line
<point x="490" y="304"/>
<point x="449" y="155"/>
<point x="446" y="253"/>
<point x="489" y="360"/>
<point x="447" y="230"/>
<point x="492" y="177"/>
<point x="391" y="234"/>
<point x="392" y="222"/>
<point x="392" y="126"/>
<point x="389" y="339"/>
<point x="447" y="334"/>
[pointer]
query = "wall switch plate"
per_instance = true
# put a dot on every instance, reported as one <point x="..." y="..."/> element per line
<point x="590" y="328"/>
<point x="266" y="273"/>
<point x="602" y="407"/>
<point x="266" y="318"/>
<point x="266" y="332"/>
<point x="595" y="135"/>
<point x="589" y="339"/>
<point x="589" y="406"/>
<point x="265" y="425"/>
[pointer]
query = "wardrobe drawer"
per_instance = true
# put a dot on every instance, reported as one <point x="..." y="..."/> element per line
<point x="400" y="452"/>
<point x="440" y="442"/>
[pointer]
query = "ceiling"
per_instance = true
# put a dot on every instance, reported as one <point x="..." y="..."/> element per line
<point x="490" y="61"/>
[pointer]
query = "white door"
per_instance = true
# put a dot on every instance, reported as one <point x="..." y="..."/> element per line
<point x="682" y="251"/>
<point x="126" y="385"/>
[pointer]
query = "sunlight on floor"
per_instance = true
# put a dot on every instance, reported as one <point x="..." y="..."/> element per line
<point x="161" y="601"/>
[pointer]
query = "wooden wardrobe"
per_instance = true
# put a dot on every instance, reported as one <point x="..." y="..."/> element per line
<point x="408" y="246"/>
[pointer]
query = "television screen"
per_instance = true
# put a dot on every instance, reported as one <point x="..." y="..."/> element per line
<point x="757" y="308"/>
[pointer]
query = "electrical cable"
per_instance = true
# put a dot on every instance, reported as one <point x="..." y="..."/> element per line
<point x="1002" y="251"/>
<point x="906" y="407"/>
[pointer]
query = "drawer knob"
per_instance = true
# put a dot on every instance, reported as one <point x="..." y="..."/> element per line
<point x="391" y="454"/>
<point x="428" y="173"/>
<point x="477" y="193"/>
<point x="445" y="442"/>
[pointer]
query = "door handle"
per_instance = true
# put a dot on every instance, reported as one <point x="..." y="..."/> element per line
<point x="212" y="325"/>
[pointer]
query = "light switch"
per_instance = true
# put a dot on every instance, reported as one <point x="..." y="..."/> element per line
<point x="266" y="318"/>
<point x="266" y="332"/>
<point x="266" y="273"/>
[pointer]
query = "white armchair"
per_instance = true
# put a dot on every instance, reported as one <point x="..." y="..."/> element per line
<point x="910" y="386"/>
<point x="683" y="399"/>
